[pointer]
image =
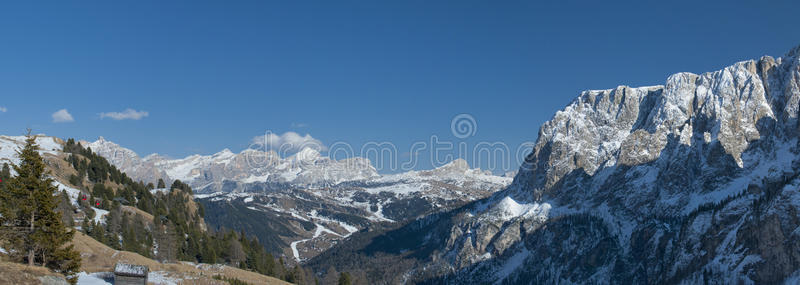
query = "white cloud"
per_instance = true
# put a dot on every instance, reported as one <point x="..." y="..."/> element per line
<point x="128" y="114"/>
<point x="3" y="109"/>
<point x="287" y="143"/>
<point x="62" y="116"/>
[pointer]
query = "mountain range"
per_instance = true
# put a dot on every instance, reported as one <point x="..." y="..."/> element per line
<point x="305" y="203"/>
<point x="693" y="181"/>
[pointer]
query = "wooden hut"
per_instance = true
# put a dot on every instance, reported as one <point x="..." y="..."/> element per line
<point x="130" y="274"/>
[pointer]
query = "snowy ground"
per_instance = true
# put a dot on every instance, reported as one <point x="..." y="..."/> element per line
<point x="97" y="278"/>
<point x="160" y="190"/>
<point x="99" y="214"/>
<point x="72" y="192"/>
<point x="317" y="233"/>
<point x="160" y="277"/>
<point x="103" y="278"/>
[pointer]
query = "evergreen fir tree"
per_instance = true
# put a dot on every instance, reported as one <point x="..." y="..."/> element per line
<point x="29" y="217"/>
<point x="345" y="279"/>
<point x="98" y="232"/>
<point x="5" y="174"/>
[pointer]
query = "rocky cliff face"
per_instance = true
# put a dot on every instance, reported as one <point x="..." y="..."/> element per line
<point x="716" y="115"/>
<point x="692" y="181"/>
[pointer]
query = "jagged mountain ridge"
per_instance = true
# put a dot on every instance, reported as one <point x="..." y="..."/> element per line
<point x="308" y="201"/>
<point x="226" y="171"/>
<point x="690" y="182"/>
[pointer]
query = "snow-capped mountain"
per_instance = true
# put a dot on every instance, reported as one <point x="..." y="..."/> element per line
<point x="231" y="172"/>
<point x="306" y="202"/>
<point x="689" y="182"/>
<point x="127" y="160"/>
<point x="299" y="205"/>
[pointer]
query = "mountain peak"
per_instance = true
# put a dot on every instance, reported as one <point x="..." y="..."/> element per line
<point x="224" y="152"/>
<point x="457" y="165"/>
<point x="306" y="154"/>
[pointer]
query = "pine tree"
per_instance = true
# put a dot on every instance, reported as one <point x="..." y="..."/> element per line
<point x="99" y="232"/>
<point x="66" y="209"/>
<point x="165" y="237"/>
<point x="161" y="184"/>
<point x="5" y="174"/>
<point x="29" y="217"/>
<point x="295" y="276"/>
<point x="344" y="279"/>
<point x="85" y="225"/>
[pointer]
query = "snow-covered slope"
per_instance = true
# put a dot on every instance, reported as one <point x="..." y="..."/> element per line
<point x="51" y="150"/>
<point x="9" y="145"/>
<point x="693" y="181"/>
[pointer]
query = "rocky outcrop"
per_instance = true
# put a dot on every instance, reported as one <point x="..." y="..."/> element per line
<point x="692" y="181"/>
<point x="669" y="171"/>
<point x="632" y="126"/>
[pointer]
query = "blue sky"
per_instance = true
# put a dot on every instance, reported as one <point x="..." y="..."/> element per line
<point x="213" y="75"/>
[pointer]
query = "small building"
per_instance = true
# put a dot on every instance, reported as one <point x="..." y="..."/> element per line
<point x="130" y="274"/>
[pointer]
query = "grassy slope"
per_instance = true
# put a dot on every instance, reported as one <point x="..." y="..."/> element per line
<point x="21" y="274"/>
<point x="98" y="257"/>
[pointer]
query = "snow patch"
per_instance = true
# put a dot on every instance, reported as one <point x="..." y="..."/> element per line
<point x="296" y="253"/>
<point x="99" y="214"/>
<point x="400" y="189"/>
<point x="160" y="190"/>
<point x="349" y="228"/>
<point x="97" y="278"/>
<point x="161" y="277"/>
<point x="73" y="193"/>
<point x="508" y="209"/>
<point x="203" y="196"/>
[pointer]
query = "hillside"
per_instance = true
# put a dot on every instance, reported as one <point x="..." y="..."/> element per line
<point x="15" y="273"/>
<point x="126" y="217"/>
<point x="99" y="261"/>
<point x="98" y="257"/>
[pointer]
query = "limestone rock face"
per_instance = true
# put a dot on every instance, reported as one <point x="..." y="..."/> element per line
<point x="632" y="126"/>
<point x="693" y="181"/>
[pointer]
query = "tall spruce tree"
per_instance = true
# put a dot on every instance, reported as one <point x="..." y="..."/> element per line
<point x="32" y="226"/>
<point x="5" y="174"/>
<point x="345" y="279"/>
